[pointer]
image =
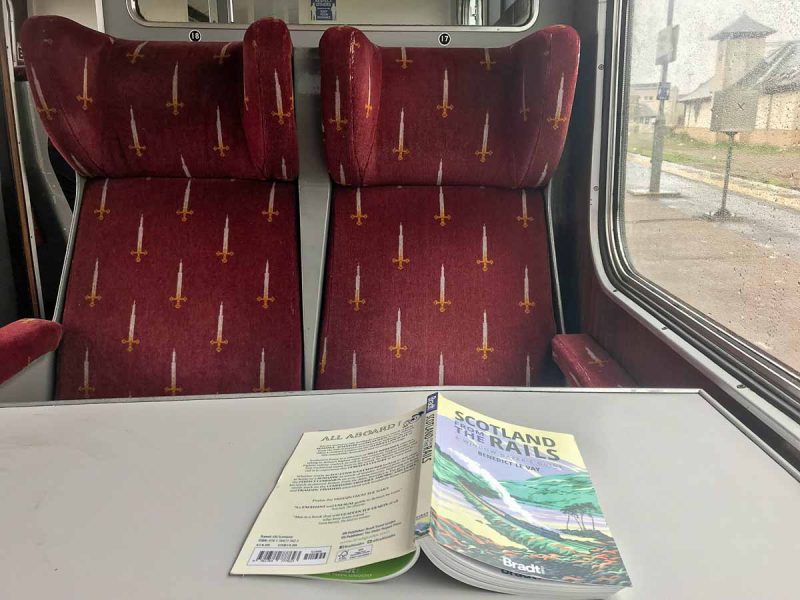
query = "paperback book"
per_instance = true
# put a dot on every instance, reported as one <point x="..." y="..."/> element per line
<point x="496" y="505"/>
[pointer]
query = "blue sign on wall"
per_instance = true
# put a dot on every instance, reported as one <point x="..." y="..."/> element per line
<point x="323" y="10"/>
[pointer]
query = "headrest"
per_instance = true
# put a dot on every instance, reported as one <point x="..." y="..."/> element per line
<point x="461" y="116"/>
<point x="122" y="108"/>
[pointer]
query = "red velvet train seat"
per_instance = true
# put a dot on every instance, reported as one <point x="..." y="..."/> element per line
<point x="438" y="269"/>
<point x="184" y="277"/>
<point x="585" y="363"/>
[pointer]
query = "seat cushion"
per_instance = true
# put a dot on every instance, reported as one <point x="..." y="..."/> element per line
<point x="111" y="350"/>
<point x="359" y="347"/>
<point x="585" y="363"/>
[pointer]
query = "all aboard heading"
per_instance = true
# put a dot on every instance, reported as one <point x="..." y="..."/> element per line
<point x="336" y="437"/>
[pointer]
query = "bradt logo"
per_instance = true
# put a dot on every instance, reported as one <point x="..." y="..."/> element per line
<point x="507" y="562"/>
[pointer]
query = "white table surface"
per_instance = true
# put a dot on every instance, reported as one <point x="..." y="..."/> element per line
<point x="152" y="500"/>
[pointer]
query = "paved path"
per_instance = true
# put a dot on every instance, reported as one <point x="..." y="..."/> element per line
<point x="761" y="220"/>
<point x="744" y="274"/>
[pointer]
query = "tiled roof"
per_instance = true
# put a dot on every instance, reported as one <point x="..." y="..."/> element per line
<point x="778" y="72"/>
<point x="701" y="92"/>
<point x="744" y="27"/>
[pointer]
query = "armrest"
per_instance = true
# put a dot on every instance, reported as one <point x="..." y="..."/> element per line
<point x="585" y="363"/>
<point x="23" y="341"/>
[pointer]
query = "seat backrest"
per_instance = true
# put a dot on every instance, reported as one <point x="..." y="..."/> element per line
<point x="461" y="116"/>
<point x="184" y="277"/>
<point x="123" y="108"/>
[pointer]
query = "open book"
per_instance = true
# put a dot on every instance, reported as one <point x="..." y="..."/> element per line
<point x="495" y="505"/>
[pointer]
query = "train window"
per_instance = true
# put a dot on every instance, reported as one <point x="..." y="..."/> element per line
<point x="477" y="13"/>
<point x="709" y="170"/>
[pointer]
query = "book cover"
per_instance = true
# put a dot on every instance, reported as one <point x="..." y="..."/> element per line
<point x="520" y="500"/>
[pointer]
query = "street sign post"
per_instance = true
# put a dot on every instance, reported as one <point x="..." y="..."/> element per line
<point x="733" y="111"/>
<point x="666" y="52"/>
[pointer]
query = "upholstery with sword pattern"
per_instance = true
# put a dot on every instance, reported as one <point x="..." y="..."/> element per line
<point x="184" y="277"/>
<point x="438" y="263"/>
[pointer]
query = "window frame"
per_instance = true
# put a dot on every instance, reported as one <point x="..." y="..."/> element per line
<point x="717" y="349"/>
<point x="133" y="11"/>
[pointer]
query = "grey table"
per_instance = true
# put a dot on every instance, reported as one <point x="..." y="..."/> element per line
<point x="151" y="500"/>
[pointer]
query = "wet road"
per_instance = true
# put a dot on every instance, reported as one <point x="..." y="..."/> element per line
<point x="770" y="225"/>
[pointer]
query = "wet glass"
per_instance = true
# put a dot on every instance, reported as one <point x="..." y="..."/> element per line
<point x="711" y="174"/>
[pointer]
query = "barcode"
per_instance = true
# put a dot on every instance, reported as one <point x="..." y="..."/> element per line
<point x="278" y="556"/>
<point x="289" y="556"/>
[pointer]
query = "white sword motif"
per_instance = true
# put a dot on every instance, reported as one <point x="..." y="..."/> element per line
<point x="595" y="360"/>
<point x="526" y="294"/>
<point x="487" y="60"/>
<point x="132" y="322"/>
<point x="337" y="108"/>
<point x="102" y="211"/>
<point x="526" y="302"/>
<point x="223" y="53"/>
<point x="184" y="212"/>
<point x="86" y="387"/>
<point x="178" y="298"/>
<point x="42" y="108"/>
<point x="543" y="175"/>
<point x="439" y="174"/>
<point x="93" y="297"/>
<point x="524" y="207"/>
<point x="137" y="53"/>
<point x="484" y="348"/>
<point x="175" y="104"/>
<point x="135" y="136"/>
<point x="342" y="179"/>
<point x="94" y="276"/>
<point x="441" y="369"/>
<point x="484" y="151"/>
<point x="218" y="341"/>
<point x="354" y="373"/>
<point x="131" y="341"/>
<point x="279" y="101"/>
<point x="138" y="253"/>
<point x="442" y="302"/>
<point x="524" y="110"/>
<point x="356" y="301"/>
<point x="528" y="370"/>
<point x="323" y="362"/>
<point x="283" y="168"/>
<point x="401" y="150"/>
<point x="262" y="373"/>
<point x="398" y="329"/>
<point x="557" y="119"/>
<point x="184" y="167"/>
<point x="265" y="298"/>
<point x="444" y="106"/>
<point x="220" y="147"/>
<point x="400" y="260"/>
<point x="85" y="99"/>
<point x="368" y="105"/>
<point x="225" y="234"/>
<point x="173" y="374"/>
<point x="271" y="212"/>
<point x="403" y="60"/>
